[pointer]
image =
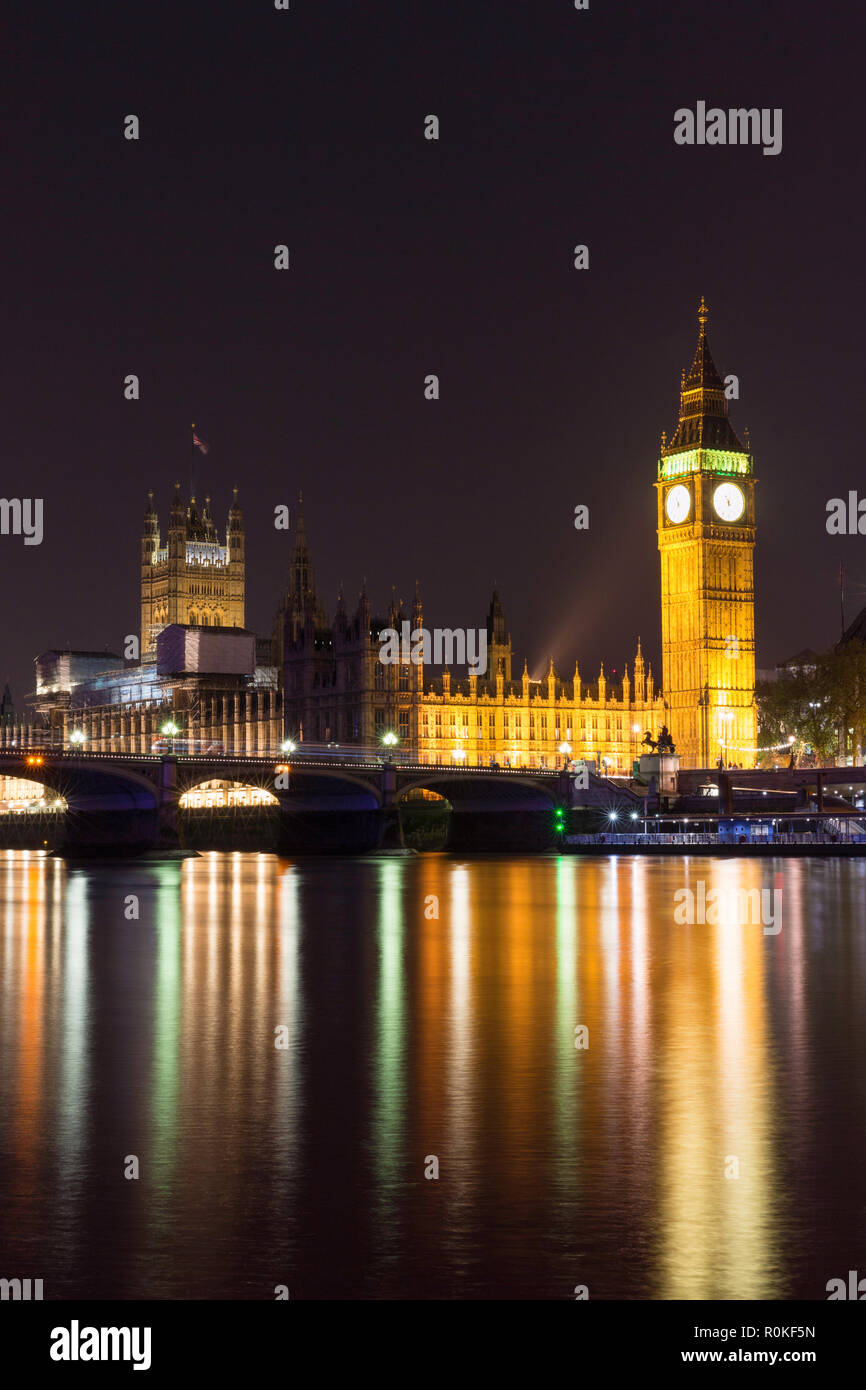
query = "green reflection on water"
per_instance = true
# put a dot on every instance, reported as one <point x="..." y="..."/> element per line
<point x="165" y="1083"/>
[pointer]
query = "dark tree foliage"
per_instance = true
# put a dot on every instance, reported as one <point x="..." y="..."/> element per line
<point x="814" y="702"/>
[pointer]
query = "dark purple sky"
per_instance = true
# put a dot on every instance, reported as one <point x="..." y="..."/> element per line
<point x="408" y="257"/>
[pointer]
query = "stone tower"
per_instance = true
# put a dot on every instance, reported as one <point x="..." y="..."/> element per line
<point x="706" y="537"/>
<point x="195" y="578"/>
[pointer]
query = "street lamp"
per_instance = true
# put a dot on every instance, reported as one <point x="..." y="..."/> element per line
<point x="287" y="746"/>
<point x="171" y="731"/>
<point x="725" y="718"/>
<point x="77" y="736"/>
<point x="390" y="740"/>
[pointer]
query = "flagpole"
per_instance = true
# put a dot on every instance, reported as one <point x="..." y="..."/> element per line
<point x="192" y="461"/>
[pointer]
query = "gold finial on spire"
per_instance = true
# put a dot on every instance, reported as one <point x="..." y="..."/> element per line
<point x="703" y="315"/>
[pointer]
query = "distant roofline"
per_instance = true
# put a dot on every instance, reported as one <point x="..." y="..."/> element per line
<point x="78" y="651"/>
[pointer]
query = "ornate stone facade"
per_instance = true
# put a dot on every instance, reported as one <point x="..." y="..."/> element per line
<point x="706" y="537"/>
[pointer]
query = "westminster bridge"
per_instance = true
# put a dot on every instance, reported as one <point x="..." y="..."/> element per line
<point x="131" y="803"/>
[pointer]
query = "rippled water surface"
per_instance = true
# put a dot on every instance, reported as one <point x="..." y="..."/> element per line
<point x="708" y="1142"/>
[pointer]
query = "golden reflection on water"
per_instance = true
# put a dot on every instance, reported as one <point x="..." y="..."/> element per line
<point x="717" y="1165"/>
<point x="469" y="981"/>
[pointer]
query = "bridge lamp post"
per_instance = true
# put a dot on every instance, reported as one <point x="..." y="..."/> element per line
<point x="77" y="737"/>
<point x="726" y="716"/>
<point x="390" y="740"/>
<point x="171" y="732"/>
<point x="459" y="754"/>
<point x="565" y="750"/>
<point x="287" y="746"/>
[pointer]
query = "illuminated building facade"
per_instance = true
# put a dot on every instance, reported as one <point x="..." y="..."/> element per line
<point x="196" y="578"/>
<point x="192" y="600"/>
<point x="217" y="795"/>
<point x="322" y="681"/>
<point x="336" y="690"/>
<point x="706" y="537"/>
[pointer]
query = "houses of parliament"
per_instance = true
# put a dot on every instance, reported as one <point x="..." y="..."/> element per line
<point x="319" y="680"/>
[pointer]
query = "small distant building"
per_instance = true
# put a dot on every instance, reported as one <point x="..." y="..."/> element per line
<point x="805" y="661"/>
<point x="856" y="631"/>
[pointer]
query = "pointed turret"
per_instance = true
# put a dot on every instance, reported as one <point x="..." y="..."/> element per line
<point x="149" y="539"/>
<point x="551" y="680"/>
<point x="498" y="641"/>
<point x="364" y="614"/>
<point x="302" y="580"/>
<point x="703" y="416"/>
<point x="177" y="511"/>
<point x="207" y="522"/>
<point x="639" y="676"/>
<point x="7" y="708"/>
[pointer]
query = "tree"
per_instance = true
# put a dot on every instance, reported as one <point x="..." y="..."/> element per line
<point x="805" y="702"/>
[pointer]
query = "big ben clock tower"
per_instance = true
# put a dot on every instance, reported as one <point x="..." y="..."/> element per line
<point x="706" y="532"/>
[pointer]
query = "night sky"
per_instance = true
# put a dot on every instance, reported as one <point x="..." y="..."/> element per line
<point x="411" y="257"/>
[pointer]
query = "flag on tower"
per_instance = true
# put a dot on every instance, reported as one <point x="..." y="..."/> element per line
<point x="199" y="443"/>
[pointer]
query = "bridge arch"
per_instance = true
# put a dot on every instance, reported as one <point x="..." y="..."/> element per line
<point x="506" y="791"/>
<point x="86" y="781"/>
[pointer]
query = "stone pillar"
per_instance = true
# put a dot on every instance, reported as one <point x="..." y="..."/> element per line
<point x="273" y="731"/>
<point x="168" y="837"/>
<point x="392" y="834"/>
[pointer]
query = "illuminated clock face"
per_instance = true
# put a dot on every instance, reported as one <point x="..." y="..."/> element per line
<point x="678" y="503"/>
<point x="729" y="502"/>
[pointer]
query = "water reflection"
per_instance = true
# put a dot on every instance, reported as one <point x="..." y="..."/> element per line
<point x="699" y="1147"/>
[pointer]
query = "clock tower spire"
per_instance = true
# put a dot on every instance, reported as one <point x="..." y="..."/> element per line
<point x="706" y="535"/>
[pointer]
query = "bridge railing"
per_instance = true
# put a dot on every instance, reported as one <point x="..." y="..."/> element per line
<point x="816" y="837"/>
<point x="365" y="759"/>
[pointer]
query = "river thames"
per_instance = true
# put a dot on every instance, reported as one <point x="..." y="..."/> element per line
<point x="288" y="1052"/>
